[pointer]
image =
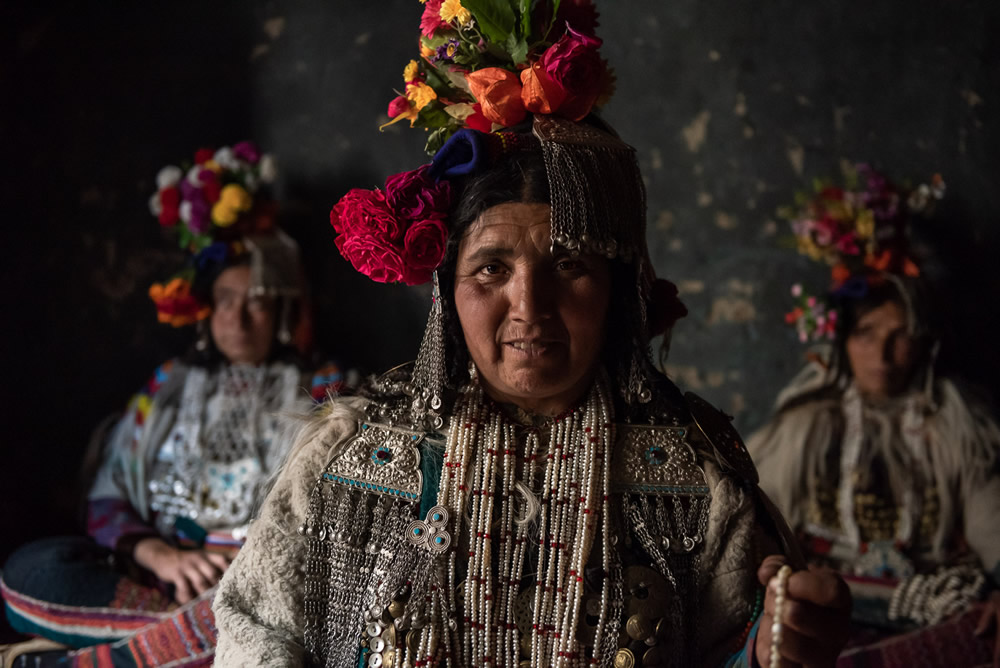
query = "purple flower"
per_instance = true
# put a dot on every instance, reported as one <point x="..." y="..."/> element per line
<point x="247" y="151"/>
<point x="446" y="51"/>
<point x="201" y="214"/>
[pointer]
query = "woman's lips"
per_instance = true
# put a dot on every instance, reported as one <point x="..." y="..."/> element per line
<point x="530" y="347"/>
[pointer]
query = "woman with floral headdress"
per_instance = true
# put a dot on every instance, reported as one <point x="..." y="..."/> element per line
<point x="530" y="491"/>
<point x="183" y="469"/>
<point x="887" y="472"/>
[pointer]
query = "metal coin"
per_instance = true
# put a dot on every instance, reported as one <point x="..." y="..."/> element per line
<point x="624" y="659"/>
<point x="639" y="627"/>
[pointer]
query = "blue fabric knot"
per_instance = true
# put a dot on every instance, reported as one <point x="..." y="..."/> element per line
<point x="462" y="154"/>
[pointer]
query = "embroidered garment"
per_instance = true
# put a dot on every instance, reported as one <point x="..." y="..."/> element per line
<point x="386" y="545"/>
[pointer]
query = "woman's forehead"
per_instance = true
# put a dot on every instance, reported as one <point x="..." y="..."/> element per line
<point x="509" y="225"/>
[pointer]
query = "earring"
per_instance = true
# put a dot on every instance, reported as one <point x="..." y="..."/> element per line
<point x="284" y="330"/>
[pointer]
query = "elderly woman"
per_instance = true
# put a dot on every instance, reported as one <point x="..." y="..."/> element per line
<point x="531" y="491"/>
<point x="182" y="470"/>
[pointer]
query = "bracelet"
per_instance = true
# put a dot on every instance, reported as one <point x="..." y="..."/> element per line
<point x="781" y="590"/>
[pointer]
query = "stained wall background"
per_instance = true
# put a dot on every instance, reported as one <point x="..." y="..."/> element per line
<point x="732" y="105"/>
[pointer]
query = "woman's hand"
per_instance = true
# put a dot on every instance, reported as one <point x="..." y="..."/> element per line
<point x="990" y="620"/>
<point x="815" y="616"/>
<point x="190" y="571"/>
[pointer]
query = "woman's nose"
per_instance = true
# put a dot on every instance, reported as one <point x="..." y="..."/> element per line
<point x="531" y="296"/>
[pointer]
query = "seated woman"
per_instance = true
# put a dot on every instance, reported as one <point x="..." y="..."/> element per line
<point x="887" y="472"/>
<point x="531" y="491"/>
<point x="183" y="469"/>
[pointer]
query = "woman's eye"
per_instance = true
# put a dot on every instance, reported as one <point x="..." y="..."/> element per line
<point x="568" y="264"/>
<point x="491" y="269"/>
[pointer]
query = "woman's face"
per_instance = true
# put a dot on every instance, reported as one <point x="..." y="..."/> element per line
<point x="242" y="326"/>
<point x="533" y="317"/>
<point x="881" y="352"/>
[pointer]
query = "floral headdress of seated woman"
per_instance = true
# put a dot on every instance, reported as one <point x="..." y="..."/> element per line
<point x="215" y="207"/>
<point x="511" y="112"/>
<point x="860" y="228"/>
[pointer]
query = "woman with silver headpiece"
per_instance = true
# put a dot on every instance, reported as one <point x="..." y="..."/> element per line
<point x="887" y="472"/>
<point x="531" y="491"/>
<point x="182" y="470"/>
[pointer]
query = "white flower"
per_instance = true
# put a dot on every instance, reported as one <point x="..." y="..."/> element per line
<point x="155" y="207"/>
<point x="168" y="176"/>
<point x="268" y="169"/>
<point x="184" y="211"/>
<point x="250" y="182"/>
<point x="193" y="176"/>
<point x="224" y="158"/>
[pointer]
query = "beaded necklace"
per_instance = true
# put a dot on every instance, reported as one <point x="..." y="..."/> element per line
<point x="481" y="471"/>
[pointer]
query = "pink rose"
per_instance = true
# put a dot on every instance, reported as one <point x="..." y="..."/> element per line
<point x="574" y="65"/>
<point x="372" y="256"/>
<point x="414" y="195"/>
<point x="365" y="212"/>
<point x="424" y="248"/>
<point x="247" y="152"/>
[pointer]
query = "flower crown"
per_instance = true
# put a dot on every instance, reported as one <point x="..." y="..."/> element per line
<point x="860" y="229"/>
<point x="486" y="64"/>
<point x="210" y="204"/>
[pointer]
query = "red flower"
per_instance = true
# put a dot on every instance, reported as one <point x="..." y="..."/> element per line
<point x="431" y="19"/>
<point x="478" y="120"/>
<point x="210" y="185"/>
<point x="414" y="195"/>
<point x="203" y="155"/>
<point x="574" y="65"/>
<point x="170" y="201"/>
<point x="372" y="256"/>
<point x="365" y="212"/>
<point x="400" y="105"/>
<point x="424" y="248"/>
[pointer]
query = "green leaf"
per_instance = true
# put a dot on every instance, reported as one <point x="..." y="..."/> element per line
<point x="437" y="139"/>
<point x="495" y="17"/>
<point x="434" y="116"/>
<point x="517" y="48"/>
<point x="525" y="10"/>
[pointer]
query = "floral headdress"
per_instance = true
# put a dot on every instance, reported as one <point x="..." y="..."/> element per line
<point x="861" y="230"/>
<point x="486" y="64"/>
<point x="211" y="203"/>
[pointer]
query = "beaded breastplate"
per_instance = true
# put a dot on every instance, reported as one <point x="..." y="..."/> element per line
<point x="377" y="551"/>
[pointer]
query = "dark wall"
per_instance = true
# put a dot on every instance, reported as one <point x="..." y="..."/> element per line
<point x="732" y="105"/>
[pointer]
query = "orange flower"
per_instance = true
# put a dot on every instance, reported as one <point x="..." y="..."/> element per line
<point x="176" y="305"/>
<point x="839" y="274"/>
<point x="541" y="95"/>
<point x="499" y="93"/>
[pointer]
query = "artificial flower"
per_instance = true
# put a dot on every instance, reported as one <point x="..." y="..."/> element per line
<point x="170" y="200"/>
<point x="539" y="93"/>
<point x="400" y="109"/>
<point x="430" y="21"/>
<point x="168" y="177"/>
<point x="225" y="159"/>
<point x="414" y="195"/>
<point x="446" y="51"/>
<point x="374" y="257"/>
<point x="411" y="72"/>
<point x="365" y="212"/>
<point x="176" y="305"/>
<point x="423" y="250"/>
<point x="498" y="91"/>
<point x="203" y="155"/>
<point x="575" y="66"/>
<point x="232" y="201"/>
<point x="246" y="151"/>
<point x="154" y="204"/>
<point x="211" y="187"/>
<point x="427" y="52"/>
<point x="452" y="10"/>
<point x="420" y="94"/>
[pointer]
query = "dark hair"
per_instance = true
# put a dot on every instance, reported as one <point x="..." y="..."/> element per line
<point x="208" y="355"/>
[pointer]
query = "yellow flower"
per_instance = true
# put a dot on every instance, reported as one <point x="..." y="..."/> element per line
<point x="865" y="225"/>
<point x="213" y="165"/>
<point x="420" y="94"/>
<point x="410" y="72"/>
<point x="453" y="9"/>
<point x="232" y="200"/>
